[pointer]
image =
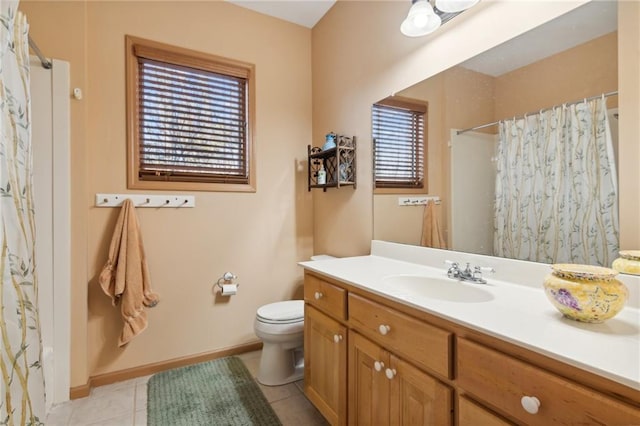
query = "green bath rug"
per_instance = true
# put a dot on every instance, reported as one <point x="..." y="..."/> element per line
<point x="218" y="392"/>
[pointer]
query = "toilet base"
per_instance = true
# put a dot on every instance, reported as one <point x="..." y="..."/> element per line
<point x="279" y="366"/>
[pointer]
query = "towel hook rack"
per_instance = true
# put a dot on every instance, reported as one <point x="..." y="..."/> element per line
<point x="144" y="200"/>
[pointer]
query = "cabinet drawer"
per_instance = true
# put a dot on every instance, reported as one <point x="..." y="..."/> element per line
<point x="502" y="381"/>
<point x="326" y="297"/>
<point x="471" y="414"/>
<point x="416" y="341"/>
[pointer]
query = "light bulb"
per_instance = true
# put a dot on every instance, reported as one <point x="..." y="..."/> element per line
<point x="421" y="20"/>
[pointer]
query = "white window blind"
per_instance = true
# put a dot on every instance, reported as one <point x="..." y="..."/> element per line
<point x="398" y="139"/>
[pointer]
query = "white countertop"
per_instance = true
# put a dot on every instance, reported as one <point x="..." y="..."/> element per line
<point x="519" y="312"/>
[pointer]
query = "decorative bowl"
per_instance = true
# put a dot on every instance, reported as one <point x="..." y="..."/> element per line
<point x="628" y="262"/>
<point x="585" y="293"/>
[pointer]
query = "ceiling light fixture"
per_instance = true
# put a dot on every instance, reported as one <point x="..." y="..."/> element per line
<point x="421" y="19"/>
<point x="454" y="6"/>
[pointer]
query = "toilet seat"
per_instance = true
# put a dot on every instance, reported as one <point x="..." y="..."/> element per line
<point x="288" y="312"/>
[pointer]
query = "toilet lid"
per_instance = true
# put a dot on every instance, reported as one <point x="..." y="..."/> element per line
<point x="282" y="312"/>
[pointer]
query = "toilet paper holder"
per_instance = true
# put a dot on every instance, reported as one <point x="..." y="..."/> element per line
<point x="225" y="280"/>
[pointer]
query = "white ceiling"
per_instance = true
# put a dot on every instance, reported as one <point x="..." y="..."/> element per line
<point x="302" y="12"/>
<point x="582" y="24"/>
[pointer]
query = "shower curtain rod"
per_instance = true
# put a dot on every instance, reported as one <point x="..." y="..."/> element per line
<point x="44" y="61"/>
<point x="606" y="95"/>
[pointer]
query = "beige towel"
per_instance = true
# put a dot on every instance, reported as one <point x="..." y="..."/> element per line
<point x="431" y="234"/>
<point x="125" y="277"/>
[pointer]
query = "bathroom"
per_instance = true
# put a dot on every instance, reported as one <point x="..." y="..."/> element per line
<point x="310" y="81"/>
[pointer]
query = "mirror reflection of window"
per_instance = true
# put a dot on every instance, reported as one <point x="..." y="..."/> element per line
<point x="399" y="143"/>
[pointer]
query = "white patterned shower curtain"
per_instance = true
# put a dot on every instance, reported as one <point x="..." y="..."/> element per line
<point x="22" y="394"/>
<point x="556" y="187"/>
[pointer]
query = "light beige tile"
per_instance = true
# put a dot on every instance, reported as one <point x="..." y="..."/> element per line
<point x="143" y="379"/>
<point x="102" y="407"/>
<point x="297" y="410"/>
<point x="276" y="393"/>
<point x="59" y="415"/>
<point x="124" y="420"/>
<point x="141" y="397"/>
<point x="141" y="418"/>
<point x="249" y="355"/>
<point x="300" y="385"/>
<point x="101" y="390"/>
<point x="253" y="365"/>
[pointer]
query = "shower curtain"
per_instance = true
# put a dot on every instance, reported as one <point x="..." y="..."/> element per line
<point x="22" y="394"/>
<point x="556" y="195"/>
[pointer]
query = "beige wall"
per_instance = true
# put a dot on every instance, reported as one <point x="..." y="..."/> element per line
<point x="560" y="78"/>
<point x="258" y="236"/>
<point x="343" y="95"/>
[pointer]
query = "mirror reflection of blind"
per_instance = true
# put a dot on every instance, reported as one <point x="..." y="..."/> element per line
<point x="192" y="124"/>
<point x="398" y="144"/>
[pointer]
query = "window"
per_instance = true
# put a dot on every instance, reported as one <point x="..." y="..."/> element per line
<point x="398" y="143"/>
<point x="189" y="119"/>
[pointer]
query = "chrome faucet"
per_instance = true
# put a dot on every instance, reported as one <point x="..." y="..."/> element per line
<point x="467" y="274"/>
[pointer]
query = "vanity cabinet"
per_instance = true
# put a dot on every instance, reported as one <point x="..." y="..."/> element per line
<point x="531" y="395"/>
<point x="339" y="164"/>
<point x="401" y="365"/>
<point x="384" y="389"/>
<point x="427" y="346"/>
<point x="325" y="349"/>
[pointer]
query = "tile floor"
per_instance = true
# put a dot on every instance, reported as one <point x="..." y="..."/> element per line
<point x="125" y="403"/>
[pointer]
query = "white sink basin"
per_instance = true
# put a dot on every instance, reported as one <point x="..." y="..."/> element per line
<point x="437" y="288"/>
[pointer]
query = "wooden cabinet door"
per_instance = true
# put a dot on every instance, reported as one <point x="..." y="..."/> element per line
<point x="325" y="359"/>
<point x="368" y="386"/>
<point x="417" y="398"/>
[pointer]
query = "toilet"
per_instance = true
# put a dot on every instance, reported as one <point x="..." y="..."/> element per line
<point x="280" y="326"/>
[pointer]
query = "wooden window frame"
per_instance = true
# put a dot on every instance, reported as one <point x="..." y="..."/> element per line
<point x="410" y="105"/>
<point x="161" y="52"/>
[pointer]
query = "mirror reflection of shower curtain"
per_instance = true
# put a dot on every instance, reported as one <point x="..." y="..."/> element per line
<point x="556" y="187"/>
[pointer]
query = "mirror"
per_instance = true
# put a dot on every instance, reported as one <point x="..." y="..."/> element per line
<point x="539" y="69"/>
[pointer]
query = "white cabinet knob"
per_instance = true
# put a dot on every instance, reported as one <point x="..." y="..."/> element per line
<point x="530" y="404"/>
<point x="390" y="373"/>
<point x="378" y="365"/>
<point x="337" y="338"/>
<point x="384" y="329"/>
<point x="318" y="295"/>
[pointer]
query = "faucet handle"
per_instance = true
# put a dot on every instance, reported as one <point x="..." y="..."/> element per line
<point x="478" y="270"/>
<point x="454" y="270"/>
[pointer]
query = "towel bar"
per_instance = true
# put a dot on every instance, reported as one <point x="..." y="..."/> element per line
<point x="143" y="200"/>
